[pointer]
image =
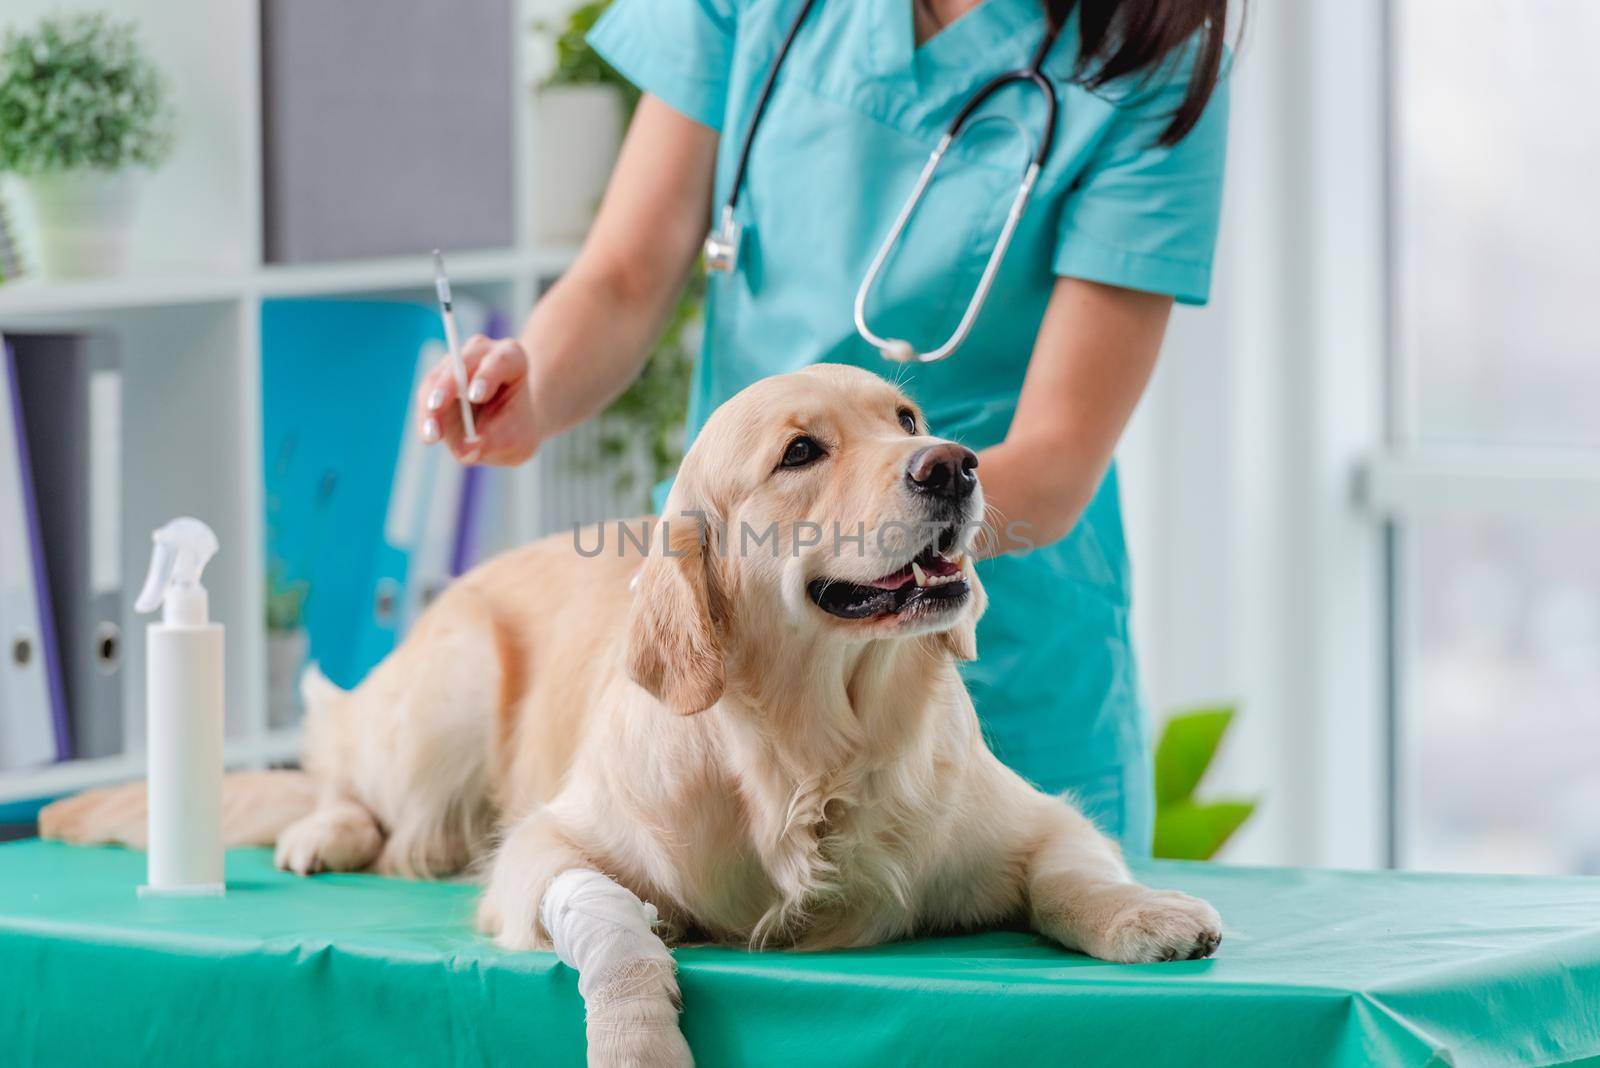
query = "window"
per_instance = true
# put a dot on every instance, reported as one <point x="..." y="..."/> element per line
<point x="1502" y="696"/>
<point x="1495" y="408"/>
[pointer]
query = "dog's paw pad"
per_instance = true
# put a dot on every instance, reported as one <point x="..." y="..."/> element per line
<point x="1163" y="925"/>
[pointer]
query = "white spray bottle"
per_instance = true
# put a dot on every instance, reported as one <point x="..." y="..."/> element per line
<point x="183" y="712"/>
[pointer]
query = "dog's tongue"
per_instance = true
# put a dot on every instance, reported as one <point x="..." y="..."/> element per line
<point x="894" y="581"/>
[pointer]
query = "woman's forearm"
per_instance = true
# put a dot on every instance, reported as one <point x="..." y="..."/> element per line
<point x="587" y="339"/>
<point x="1034" y="494"/>
<point x="1095" y="352"/>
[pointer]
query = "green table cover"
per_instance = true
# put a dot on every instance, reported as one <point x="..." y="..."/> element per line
<point x="1316" y="968"/>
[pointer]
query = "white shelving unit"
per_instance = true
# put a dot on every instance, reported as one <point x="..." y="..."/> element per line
<point x="187" y="319"/>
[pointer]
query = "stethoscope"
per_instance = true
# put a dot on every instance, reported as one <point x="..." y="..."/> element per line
<point x="722" y="244"/>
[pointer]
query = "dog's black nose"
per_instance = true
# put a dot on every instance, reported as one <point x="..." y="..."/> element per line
<point x="943" y="470"/>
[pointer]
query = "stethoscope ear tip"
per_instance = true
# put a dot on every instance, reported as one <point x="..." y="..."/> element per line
<point x="897" y="351"/>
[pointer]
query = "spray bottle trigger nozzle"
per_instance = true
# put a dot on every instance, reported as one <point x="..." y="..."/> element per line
<point x="155" y="583"/>
<point x="182" y="549"/>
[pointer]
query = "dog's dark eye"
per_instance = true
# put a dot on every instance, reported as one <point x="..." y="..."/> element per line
<point x="908" y="421"/>
<point x="801" y="451"/>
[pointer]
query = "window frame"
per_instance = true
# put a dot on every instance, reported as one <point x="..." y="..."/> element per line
<point x="1269" y="476"/>
<point x="1408" y="477"/>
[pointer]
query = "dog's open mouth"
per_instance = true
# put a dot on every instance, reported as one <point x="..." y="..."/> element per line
<point x="934" y="580"/>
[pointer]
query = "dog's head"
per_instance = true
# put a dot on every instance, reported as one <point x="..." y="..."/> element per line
<point x="813" y="502"/>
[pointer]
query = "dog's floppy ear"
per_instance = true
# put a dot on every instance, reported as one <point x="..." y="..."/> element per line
<point x="962" y="639"/>
<point x="673" y="647"/>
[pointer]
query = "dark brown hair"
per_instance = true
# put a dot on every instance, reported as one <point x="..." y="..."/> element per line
<point x="1117" y="38"/>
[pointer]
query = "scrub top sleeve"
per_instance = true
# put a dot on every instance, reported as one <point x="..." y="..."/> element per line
<point x="677" y="50"/>
<point x="1144" y="216"/>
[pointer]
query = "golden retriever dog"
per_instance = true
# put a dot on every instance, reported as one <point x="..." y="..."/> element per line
<point x="756" y="724"/>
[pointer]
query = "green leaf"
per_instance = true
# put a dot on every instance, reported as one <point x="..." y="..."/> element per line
<point x="1183" y="754"/>
<point x="79" y="91"/>
<point x="1187" y="830"/>
<point x="575" y="62"/>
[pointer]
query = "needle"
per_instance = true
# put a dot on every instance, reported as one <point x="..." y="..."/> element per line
<point x="441" y="283"/>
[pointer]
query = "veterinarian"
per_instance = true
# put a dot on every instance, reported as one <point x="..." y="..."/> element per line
<point x="1121" y="222"/>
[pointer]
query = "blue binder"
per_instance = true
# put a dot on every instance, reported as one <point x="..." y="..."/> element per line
<point x="357" y="508"/>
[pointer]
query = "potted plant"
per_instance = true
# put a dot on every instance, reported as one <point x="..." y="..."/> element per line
<point x="10" y="257"/>
<point x="83" y="111"/>
<point x="287" y="646"/>
<point x="1186" y="827"/>
<point x="580" y="109"/>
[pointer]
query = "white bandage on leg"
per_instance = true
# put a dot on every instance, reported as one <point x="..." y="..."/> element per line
<point x="625" y="972"/>
<point x="599" y="928"/>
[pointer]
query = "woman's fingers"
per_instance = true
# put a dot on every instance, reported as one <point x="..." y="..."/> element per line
<point x="494" y="371"/>
<point x="439" y="387"/>
<point x="437" y="393"/>
<point x="445" y="426"/>
<point x="502" y="365"/>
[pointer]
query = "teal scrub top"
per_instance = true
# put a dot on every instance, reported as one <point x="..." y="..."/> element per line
<point x="855" y="112"/>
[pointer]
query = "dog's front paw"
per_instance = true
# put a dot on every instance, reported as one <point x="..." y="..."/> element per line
<point x="647" y="1046"/>
<point x="510" y="919"/>
<point x="632" y="1018"/>
<point x="328" y="841"/>
<point x="1158" y="925"/>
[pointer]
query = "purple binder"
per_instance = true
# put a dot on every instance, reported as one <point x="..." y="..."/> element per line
<point x="30" y="511"/>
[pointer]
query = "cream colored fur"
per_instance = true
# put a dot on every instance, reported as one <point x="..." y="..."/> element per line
<point x="761" y="771"/>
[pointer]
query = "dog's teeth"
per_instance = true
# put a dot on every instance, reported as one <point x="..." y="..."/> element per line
<point x="967" y="567"/>
<point x="920" y="575"/>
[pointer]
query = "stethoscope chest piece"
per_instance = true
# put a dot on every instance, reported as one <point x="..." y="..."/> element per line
<point x="897" y="351"/>
<point x="722" y="244"/>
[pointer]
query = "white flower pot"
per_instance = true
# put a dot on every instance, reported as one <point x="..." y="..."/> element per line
<point x="82" y="220"/>
<point x="286" y="658"/>
<point x="578" y="135"/>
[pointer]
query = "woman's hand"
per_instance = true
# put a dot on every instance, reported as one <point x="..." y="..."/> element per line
<point x="593" y="329"/>
<point x="499" y="390"/>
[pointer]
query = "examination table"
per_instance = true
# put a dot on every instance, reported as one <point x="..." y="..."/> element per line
<point x="1316" y="968"/>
